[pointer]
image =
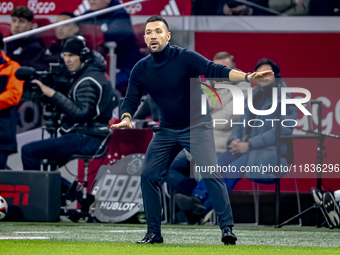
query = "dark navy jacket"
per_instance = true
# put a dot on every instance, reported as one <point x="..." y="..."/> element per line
<point x="170" y="78"/>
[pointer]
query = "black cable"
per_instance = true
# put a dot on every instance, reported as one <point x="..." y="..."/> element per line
<point x="93" y="157"/>
<point x="82" y="176"/>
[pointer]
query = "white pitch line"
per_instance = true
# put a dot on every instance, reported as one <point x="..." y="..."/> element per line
<point x="38" y="232"/>
<point x="122" y="231"/>
<point x="21" y="237"/>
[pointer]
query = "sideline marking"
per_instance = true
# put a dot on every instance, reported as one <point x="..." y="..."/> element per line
<point x="122" y="231"/>
<point x="38" y="232"/>
<point x="21" y="237"/>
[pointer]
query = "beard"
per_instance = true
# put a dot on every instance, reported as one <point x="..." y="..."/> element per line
<point x="159" y="49"/>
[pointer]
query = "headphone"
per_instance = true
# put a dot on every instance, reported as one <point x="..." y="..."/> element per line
<point x="85" y="52"/>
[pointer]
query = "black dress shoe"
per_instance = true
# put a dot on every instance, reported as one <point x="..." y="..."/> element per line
<point x="151" y="238"/>
<point x="228" y="236"/>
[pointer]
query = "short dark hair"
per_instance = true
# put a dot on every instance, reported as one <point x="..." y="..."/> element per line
<point x="23" y="12"/>
<point x="274" y="66"/>
<point x="70" y="14"/>
<point x="157" y="18"/>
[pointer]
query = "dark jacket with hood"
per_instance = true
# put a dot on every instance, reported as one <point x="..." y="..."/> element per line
<point x="117" y="27"/>
<point x="88" y="106"/>
<point x="26" y="51"/>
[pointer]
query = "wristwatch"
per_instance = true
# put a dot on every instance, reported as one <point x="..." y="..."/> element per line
<point x="246" y="77"/>
<point x="124" y="116"/>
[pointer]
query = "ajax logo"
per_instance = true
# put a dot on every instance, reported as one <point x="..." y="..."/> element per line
<point x="6" y="7"/>
<point x="41" y="7"/>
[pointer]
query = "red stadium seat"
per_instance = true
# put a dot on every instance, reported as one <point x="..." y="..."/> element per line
<point x="93" y="35"/>
<point x="48" y="37"/>
<point x="5" y="29"/>
<point x="40" y="22"/>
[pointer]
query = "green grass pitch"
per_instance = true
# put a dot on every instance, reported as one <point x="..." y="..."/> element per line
<point x="88" y="238"/>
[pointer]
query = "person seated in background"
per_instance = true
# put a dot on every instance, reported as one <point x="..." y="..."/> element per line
<point x="26" y="51"/>
<point x="148" y="110"/>
<point x="148" y="114"/>
<point x="219" y="7"/>
<point x="86" y="110"/>
<point x="250" y="146"/>
<point x="117" y="27"/>
<point x="224" y="111"/>
<point x="52" y="54"/>
<point x="179" y="172"/>
<point x="273" y="7"/>
<point x="10" y="93"/>
<point x="290" y="7"/>
<point x="230" y="7"/>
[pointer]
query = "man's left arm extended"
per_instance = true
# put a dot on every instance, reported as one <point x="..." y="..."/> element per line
<point x="200" y="65"/>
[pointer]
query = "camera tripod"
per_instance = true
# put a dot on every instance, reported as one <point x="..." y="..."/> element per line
<point x="320" y="156"/>
<point x="79" y="189"/>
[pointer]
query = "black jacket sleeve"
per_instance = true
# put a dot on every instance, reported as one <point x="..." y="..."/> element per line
<point x="134" y="93"/>
<point x="83" y="104"/>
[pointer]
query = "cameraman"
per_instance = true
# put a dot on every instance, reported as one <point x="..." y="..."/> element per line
<point x="86" y="109"/>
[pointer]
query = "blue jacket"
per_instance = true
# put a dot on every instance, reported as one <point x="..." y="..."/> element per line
<point x="117" y="27"/>
<point x="263" y="139"/>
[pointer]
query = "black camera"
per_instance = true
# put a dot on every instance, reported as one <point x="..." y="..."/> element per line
<point x="55" y="78"/>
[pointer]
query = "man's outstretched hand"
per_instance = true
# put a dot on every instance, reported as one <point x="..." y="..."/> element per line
<point x="125" y="123"/>
<point x="257" y="77"/>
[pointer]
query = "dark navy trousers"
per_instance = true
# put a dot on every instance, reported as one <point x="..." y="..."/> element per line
<point x="163" y="148"/>
<point x="58" y="149"/>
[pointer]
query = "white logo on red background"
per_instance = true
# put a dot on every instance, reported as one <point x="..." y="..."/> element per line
<point x="327" y="122"/>
<point x="171" y="9"/>
<point x="83" y="7"/>
<point x="6" y="7"/>
<point x="132" y="9"/>
<point x="41" y="7"/>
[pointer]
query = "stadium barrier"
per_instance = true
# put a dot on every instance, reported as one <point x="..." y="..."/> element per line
<point x="31" y="195"/>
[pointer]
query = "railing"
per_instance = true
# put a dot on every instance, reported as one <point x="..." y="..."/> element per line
<point x="110" y="45"/>
<point x="76" y="19"/>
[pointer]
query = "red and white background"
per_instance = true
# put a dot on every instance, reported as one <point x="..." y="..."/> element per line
<point x="41" y="7"/>
<point x="306" y="49"/>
